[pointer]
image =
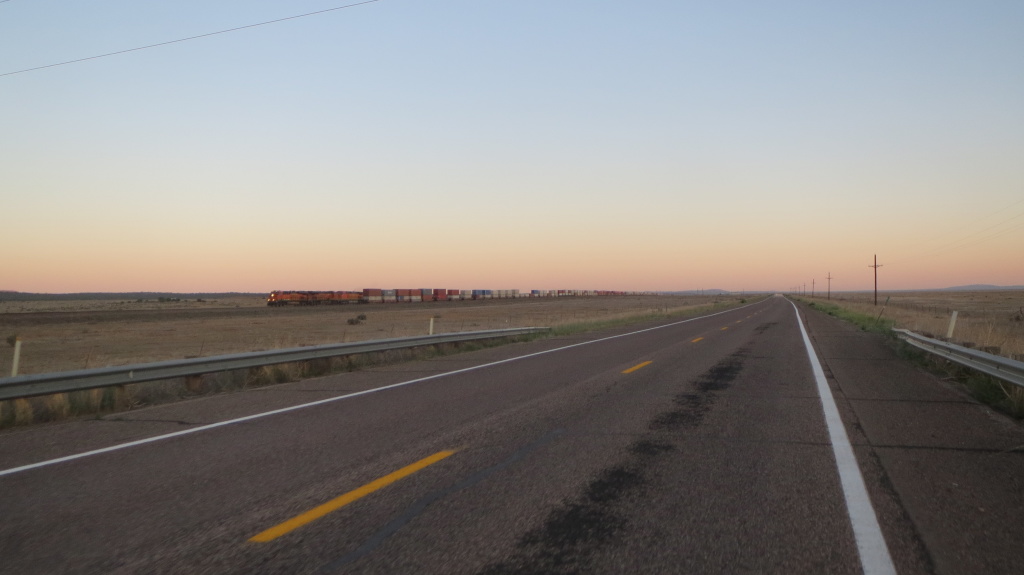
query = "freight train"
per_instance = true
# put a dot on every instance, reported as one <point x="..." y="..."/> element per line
<point x="284" y="297"/>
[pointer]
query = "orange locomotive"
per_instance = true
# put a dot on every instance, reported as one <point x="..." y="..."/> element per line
<point x="283" y="297"/>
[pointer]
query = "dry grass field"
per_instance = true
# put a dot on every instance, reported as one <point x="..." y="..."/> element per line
<point x="68" y="335"/>
<point x="986" y="319"/>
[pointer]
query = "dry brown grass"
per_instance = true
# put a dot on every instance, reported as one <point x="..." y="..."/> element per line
<point x="986" y="319"/>
<point x="103" y="305"/>
<point x="93" y="336"/>
<point x="63" y="336"/>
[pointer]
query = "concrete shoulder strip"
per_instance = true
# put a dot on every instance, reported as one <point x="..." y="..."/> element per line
<point x="871" y="546"/>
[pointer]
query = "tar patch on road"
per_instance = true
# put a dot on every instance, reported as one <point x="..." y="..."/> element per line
<point x="689" y="407"/>
<point x="594" y="519"/>
<point x="578" y="527"/>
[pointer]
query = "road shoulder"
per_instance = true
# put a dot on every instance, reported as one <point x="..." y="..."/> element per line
<point x="943" y="471"/>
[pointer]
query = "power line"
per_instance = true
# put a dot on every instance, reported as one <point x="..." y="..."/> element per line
<point x="937" y="250"/>
<point x="989" y="237"/>
<point x="969" y="224"/>
<point x="189" y="38"/>
<point x="985" y="217"/>
<point x="960" y="243"/>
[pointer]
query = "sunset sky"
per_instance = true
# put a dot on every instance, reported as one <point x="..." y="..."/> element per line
<point x="650" y="145"/>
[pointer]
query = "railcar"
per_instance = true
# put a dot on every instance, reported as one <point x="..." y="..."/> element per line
<point x="278" y="298"/>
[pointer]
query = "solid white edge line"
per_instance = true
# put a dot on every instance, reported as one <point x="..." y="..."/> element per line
<point x="871" y="546"/>
<point x="119" y="446"/>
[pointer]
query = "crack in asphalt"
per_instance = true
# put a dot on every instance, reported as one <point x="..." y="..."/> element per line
<point x="124" y="420"/>
<point x="883" y="400"/>
<point x="283" y="391"/>
<point x="994" y="451"/>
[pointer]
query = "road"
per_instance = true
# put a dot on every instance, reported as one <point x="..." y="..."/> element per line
<point x="694" y="446"/>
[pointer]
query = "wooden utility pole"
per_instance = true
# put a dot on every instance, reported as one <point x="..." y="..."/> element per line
<point x="829" y="278"/>
<point x="876" y="266"/>
<point x="812" y="288"/>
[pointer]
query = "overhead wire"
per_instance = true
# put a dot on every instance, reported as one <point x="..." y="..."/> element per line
<point x="971" y="235"/>
<point x="189" y="38"/>
<point x="959" y="243"/>
<point x="991" y="236"/>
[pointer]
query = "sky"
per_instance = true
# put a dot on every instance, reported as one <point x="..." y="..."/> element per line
<point x="648" y="145"/>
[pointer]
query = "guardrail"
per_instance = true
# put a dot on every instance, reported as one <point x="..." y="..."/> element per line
<point x="995" y="365"/>
<point x="47" y="383"/>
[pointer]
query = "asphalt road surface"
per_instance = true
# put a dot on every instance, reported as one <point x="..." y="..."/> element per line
<point x="712" y="445"/>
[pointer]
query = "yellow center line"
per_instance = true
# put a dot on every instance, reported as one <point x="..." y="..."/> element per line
<point x="638" y="366"/>
<point x="343" y="500"/>
<point x="696" y="340"/>
<point x="739" y="321"/>
<point x="725" y="328"/>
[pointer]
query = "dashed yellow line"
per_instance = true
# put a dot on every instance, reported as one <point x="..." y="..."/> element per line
<point x="696" y="340"/>
<point x="638" y="366"/>
<point x="724" y="328"/>
<point x="339" y="502"/>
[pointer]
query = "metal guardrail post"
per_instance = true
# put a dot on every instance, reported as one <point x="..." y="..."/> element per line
<point x="17" y="356"/>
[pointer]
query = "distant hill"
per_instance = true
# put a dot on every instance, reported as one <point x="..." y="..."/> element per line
<point x="981" y="287"/>
<point x="25" y="296"/>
